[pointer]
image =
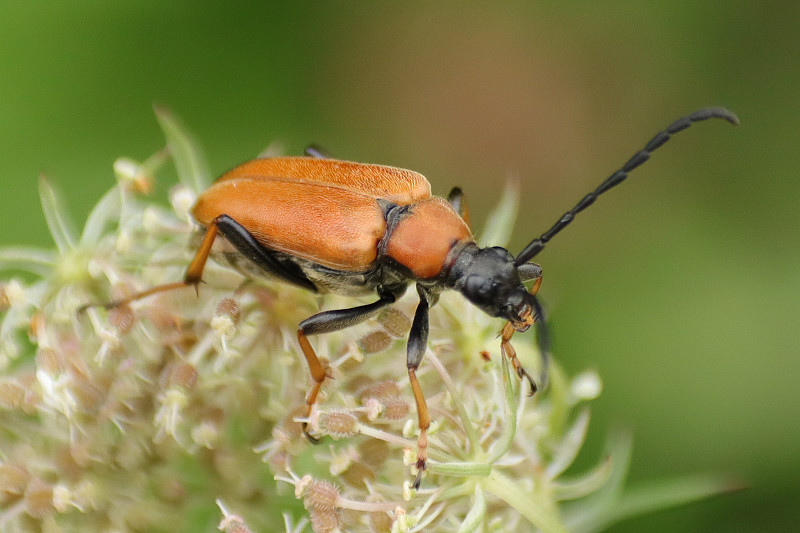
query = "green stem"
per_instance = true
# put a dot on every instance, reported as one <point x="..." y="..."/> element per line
<point x="506" y="439"/>
<point x="541" y="514"/>
<point x="469" y="428"/>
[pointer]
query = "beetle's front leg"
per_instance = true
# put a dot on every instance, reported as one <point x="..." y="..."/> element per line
<point x="542" y="338"/>
<point x="326" y="322"/>
<point x="417" y="344"/>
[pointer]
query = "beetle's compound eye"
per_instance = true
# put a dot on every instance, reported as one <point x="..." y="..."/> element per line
<point x="478" y="289"/>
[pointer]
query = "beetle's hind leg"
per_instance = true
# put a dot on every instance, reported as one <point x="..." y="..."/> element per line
<point x="192" y="277"/>
<point x="326" y="322"/>
<point x="244" y="242"/>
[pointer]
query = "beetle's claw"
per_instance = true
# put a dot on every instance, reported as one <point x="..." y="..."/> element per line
<point x="417" y="480"/>
<point x="421" y="465"/>
<point x="523" y="374"/>
<point x="197" y="286"/>
<point x="311" y="438"/>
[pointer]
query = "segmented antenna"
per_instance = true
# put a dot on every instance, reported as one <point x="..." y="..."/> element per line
<point x="536" y="245"/>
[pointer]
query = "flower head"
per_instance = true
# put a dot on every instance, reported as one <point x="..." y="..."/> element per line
<point x="143" y="416"/>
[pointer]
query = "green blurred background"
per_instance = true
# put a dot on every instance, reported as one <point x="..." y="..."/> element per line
<point x="681" y="287"/>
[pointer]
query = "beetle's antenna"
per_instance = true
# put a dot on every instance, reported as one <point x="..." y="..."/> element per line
<point x="536" y="245"/>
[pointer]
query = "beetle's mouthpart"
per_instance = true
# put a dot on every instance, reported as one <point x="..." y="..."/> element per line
<point x="525" y="321"/>
<point x="521" y="316"/>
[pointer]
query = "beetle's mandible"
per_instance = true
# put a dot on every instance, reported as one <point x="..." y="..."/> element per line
<point x="350" y="228"/>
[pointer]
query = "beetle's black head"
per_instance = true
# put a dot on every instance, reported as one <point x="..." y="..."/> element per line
<point x="489" y="279"/>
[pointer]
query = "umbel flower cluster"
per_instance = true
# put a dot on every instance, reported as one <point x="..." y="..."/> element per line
<point x="180" y="412"/>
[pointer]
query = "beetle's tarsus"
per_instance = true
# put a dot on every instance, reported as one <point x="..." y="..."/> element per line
<point x="140" y="295"/>
<point x="418" y="478"/>
<point x="108" y="305"/>
<point x="422" y="457"/>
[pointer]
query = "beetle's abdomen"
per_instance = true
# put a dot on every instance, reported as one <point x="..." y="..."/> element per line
<point x="423" y="238"/>
<point x="329" y="225"/>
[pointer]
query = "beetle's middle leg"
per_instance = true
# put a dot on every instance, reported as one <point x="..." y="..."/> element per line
<point x="244" y="242"/>
<point x="417" y="344"/>
<point x="326" y="322"/>
<point x="316" y="151"/>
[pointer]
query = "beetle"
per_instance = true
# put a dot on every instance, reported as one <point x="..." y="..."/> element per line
<point x="327" y="225"/>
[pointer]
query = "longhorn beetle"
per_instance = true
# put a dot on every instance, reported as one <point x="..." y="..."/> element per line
<point x="327" y="225"/>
